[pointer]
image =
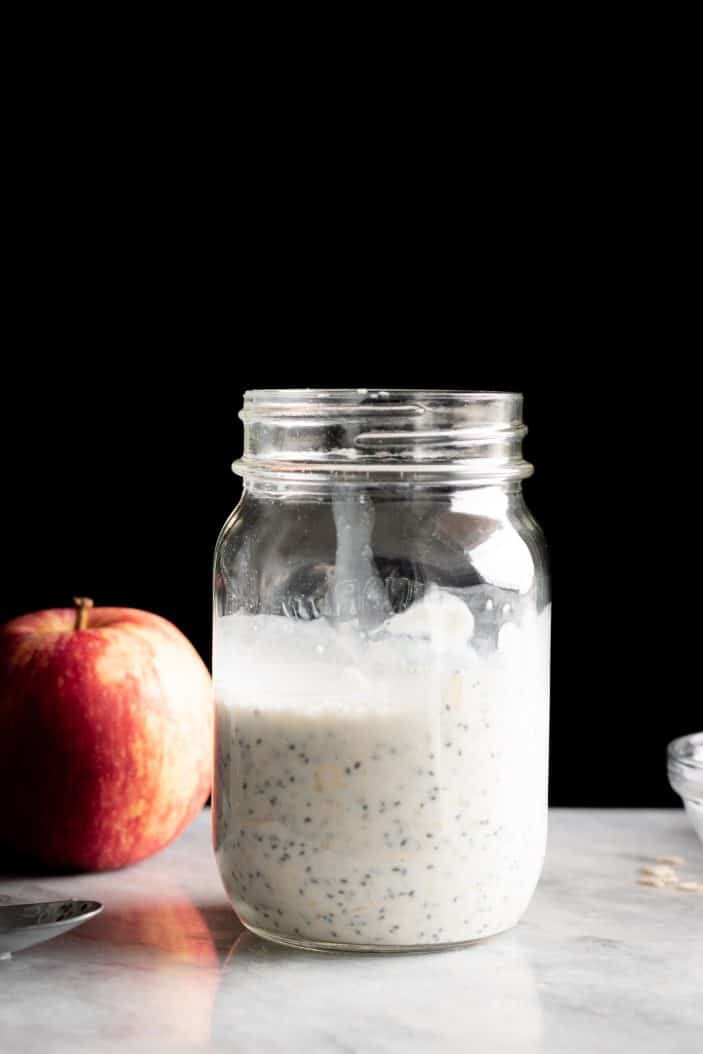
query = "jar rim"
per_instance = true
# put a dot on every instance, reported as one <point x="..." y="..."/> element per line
<point x="254" y="397"/>
<point x="415" y="433"/>
<point x="461" y="392"/>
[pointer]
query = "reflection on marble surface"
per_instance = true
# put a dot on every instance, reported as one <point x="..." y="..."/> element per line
<point x="599" y="964"/>
<point x="398" y="1003"/>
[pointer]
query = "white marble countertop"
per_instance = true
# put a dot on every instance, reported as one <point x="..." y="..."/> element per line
<point x="598" y="965"/>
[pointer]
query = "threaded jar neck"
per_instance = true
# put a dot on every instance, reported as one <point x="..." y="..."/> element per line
<point x="381" y="435"/>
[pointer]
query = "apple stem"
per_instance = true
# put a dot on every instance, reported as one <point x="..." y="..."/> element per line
<point x="83" y="606"/>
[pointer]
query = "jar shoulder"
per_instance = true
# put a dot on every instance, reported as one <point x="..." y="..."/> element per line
<point x="269" y="551"/>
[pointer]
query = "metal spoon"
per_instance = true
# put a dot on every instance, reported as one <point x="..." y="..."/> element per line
<point x="22" y="925"/>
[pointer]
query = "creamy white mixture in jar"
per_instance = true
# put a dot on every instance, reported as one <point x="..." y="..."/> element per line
<point x="382" y="787"/>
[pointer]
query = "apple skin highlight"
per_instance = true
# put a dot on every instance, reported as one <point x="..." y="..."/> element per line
<point x="105" y="736"/>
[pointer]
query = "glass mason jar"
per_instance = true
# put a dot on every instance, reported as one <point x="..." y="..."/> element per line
<point x="381" y="667"/>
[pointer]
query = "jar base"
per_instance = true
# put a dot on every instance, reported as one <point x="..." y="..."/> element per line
<point x="334" y="947"/>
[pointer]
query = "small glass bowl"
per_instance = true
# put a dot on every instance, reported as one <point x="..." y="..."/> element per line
<point x="685" y="765"/>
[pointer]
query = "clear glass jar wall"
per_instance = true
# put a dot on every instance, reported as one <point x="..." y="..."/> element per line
<point x="381" y="667"/>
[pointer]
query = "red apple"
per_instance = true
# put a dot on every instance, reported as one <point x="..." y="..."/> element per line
<point x="105" y="735"/>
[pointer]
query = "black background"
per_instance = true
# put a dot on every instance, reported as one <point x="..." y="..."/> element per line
<point x="154" y="276"/>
